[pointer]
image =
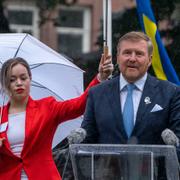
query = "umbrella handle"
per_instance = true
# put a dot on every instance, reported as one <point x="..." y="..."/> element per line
<point x="105" y="51"/>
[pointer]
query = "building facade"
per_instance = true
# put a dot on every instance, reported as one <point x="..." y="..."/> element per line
<point x="69" y="29"/>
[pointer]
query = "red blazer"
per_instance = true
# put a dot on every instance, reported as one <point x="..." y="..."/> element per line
<point x="42" y="118"/>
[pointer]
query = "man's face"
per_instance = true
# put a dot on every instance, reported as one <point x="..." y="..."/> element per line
<point x="133" y="59"/>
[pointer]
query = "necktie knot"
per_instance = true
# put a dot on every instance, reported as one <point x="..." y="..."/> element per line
<point x="130" y="87"/>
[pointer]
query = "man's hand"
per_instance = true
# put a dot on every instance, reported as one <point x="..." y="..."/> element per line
<point x="1" y="141"/>
<point x="105" y="68"/>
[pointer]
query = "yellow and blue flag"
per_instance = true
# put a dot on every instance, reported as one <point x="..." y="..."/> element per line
<point x="161" y="62"/>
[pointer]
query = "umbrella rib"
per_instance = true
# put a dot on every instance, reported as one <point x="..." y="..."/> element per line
<point x="36" y="65"/>
<point x="20" y="45"/>
<point x="33" y="66"/>
<point x="36" y="84"/>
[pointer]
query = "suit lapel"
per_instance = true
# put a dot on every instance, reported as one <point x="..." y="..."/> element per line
<point x="114" y="101"/>
<point x="4" y="133"/>
<point x="4" y="121"/>
<point x="30" y="116"/>
<point x="31" y="111"/>
<point x="147" y="99"/>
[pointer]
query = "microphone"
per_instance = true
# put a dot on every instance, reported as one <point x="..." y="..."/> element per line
<point x="76" y="136"/>
<point x="169" y="137"/>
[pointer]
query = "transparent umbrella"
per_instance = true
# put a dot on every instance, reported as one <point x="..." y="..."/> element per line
<point x="52" y="73"/>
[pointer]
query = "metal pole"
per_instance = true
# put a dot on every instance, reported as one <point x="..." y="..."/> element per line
<point x="107" y="27"/>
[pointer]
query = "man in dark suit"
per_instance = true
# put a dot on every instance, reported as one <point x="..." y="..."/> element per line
<point x="115" y="114"/>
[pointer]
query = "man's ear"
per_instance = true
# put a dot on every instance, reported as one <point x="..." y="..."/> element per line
<point x="150" y="60"/>
<point x="150" y="57"/>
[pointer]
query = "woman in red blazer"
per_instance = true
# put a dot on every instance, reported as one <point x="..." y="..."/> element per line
<point x="27" y="126"/>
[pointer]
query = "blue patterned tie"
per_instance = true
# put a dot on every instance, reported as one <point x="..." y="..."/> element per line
<point x="128" y="111"/>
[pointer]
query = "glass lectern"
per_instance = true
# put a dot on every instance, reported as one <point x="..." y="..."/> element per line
<point x="124" y="162"/>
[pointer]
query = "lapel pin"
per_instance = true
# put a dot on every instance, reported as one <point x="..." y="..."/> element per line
<point x="147" y="100"/>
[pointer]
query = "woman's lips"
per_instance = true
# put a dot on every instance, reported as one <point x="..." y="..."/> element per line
<point x="19" y="91"/>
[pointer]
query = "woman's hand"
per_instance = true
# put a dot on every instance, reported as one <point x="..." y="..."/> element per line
<point x="105" y="68"/>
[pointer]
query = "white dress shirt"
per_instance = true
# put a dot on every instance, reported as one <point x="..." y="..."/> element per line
<point x="137" y="93"/>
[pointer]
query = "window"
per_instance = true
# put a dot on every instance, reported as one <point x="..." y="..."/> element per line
<point x="73" y="30"/>
<point x="23" y="19"/>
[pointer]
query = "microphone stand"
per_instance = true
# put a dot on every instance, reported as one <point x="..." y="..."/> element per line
<point x="66" y="163"/>
<point x="92" y="167"/>
<point x="75" y="137"/>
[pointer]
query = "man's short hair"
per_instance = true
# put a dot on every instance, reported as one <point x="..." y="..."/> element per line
<point x="136" y="36"/>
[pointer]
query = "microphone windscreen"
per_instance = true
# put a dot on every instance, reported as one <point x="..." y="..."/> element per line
<point x="169" y="137"/>
<point x="76" y="136"/>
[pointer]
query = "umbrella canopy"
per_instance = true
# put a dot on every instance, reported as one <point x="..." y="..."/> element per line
<point x="49" y="69"/>
<point x="52" y="73"/>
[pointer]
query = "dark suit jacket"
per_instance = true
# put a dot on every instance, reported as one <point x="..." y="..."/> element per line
<point x="103" y="118"/>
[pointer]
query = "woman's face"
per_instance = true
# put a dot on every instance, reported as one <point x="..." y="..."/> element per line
<point x="20" y="81"/>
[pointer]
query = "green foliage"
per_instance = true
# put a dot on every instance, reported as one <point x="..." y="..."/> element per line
<point x="162" y="9"/>
<point x="174" y="48"/>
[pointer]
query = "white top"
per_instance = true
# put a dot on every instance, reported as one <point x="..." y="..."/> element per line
<point x="136" y="95"/>
<point x="16" y="135"/>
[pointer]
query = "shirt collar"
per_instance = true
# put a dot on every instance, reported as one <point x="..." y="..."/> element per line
<point x="139" y="83"/>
